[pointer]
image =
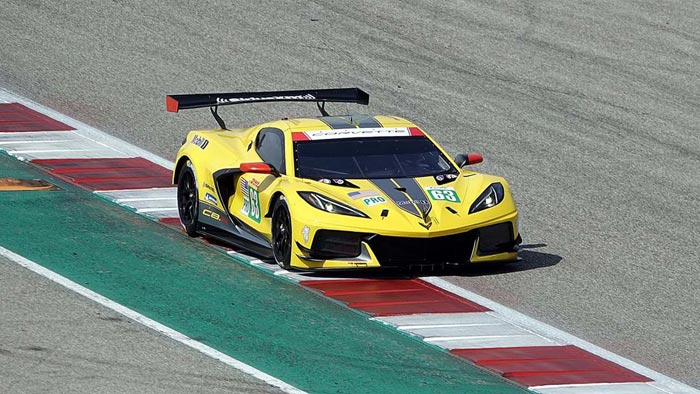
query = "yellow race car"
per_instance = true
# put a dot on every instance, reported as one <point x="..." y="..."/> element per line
<point x="338" y="192"/>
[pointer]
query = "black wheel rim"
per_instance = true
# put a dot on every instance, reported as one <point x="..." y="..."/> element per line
<point x="187" y="198"/>
<point x="282" y="240"/>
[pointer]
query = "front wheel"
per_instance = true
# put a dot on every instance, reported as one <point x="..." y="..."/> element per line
<point x="282" y="233"/>
<point x="188" y="200"/>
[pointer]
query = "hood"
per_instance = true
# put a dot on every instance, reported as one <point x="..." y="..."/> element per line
<point x="424" y="204"/>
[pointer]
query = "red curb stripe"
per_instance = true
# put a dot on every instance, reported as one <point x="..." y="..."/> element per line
<point x="14" y="121"/>
<point x="124" y="184"/>
<point x="131" y="162"/>
<point x="83" y="170"/>
<point x="114" y="179"/>
<point x="16" y="117"/>
<point x="547" y="365"/>
<point x="109" y="174"/>
<point x="508" y="361"/>
<point x="350" y="292"/>
<point x="394" y="297"/>
<point x="359" y="305"/>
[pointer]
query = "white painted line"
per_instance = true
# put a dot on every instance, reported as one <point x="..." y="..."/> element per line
<point x="672" y="385"/>
<point x="597" y="388"/>
<point x="152" y="324"/>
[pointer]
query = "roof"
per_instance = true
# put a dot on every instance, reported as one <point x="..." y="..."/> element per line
<point x="339" y="122"/>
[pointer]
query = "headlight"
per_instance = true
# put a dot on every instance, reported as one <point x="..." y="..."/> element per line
<point x="326" y="204"/>
<point x="491" y="197"/>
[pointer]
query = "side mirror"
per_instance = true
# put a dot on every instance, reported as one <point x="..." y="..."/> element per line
<point x="258" y="168"/>
<point x="468" y="159"/>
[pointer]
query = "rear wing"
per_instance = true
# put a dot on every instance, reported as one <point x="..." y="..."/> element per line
<point x="176" y="102"/>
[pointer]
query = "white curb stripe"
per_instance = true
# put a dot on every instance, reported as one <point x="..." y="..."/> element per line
<point x="157" y="203"/>
<point x="142" y="205"/>
<point x="152" y="324"/>
<point x="473" y="330"/>
<point x="5" y="143"/>
<point x="35" y="136"/>
<point x="596" y="388"/>
<point x="159" y="192"/>
<point x="23" y="152"/>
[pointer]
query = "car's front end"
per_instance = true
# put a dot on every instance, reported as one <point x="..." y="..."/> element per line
<point x="320" y="245"/>
<point x="395" y="202"/>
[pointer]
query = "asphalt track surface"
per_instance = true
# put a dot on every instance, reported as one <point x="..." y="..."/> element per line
<point x="591" y="110"/>
<point x="53" y="340"/>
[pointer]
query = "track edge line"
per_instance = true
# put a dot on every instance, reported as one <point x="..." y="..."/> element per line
<point x="148" y="322"/>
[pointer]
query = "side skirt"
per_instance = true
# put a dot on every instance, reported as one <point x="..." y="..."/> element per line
<point x="218" y="225"/>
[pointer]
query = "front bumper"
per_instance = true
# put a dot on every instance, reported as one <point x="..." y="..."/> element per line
<point x="495" y="240"/>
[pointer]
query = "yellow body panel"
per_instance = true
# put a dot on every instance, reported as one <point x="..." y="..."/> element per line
<point x="209" y="151"/>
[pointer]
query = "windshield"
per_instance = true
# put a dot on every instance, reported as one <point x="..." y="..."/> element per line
<point x="370" y="158"/>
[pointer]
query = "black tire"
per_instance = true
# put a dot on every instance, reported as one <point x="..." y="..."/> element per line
<point x="188" y="200"/>
<point x="282" y="234"/>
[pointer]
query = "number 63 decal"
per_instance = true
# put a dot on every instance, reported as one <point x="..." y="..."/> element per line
<point x="443" y="194"/>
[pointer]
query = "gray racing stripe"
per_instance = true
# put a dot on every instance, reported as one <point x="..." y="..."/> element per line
<point x="415" y="191"/>
<point x="365" y="121"/>
<point x="337" y="122"/>
<point x="399" y="198"/>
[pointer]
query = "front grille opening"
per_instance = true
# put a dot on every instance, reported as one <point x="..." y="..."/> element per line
<point x="398" y="251"/>
<point x="329" y="244"/>
<point x="496" y="239"/>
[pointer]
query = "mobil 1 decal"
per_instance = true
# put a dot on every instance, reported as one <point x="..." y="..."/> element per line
<point x="199" y="141"/>
<point x="406" y="193"/>
<point x="441" y="193"/>
<point x="251" y="200"/>
<point x="368" y="197"/>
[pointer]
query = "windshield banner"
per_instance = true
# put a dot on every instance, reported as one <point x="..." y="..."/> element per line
<point x="351" y="133"/>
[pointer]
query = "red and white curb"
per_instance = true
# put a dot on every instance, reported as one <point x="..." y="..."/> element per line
<point x="519" y="348"/>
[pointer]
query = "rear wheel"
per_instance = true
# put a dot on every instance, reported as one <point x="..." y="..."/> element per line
<point x="188" y="200"/>
<point x="282" y="233"/>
